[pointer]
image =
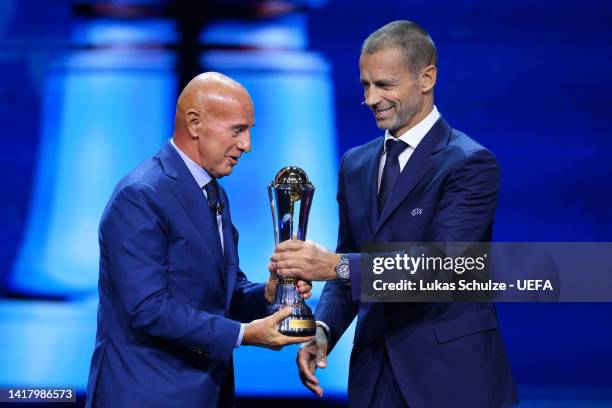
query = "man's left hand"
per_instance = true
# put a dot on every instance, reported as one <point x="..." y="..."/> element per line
<point x="302" y="286"/>
<point x="304" y="260"/>
<point x="312" y="355"/>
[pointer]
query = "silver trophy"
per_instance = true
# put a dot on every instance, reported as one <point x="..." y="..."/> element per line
<point x="290" y="200"/>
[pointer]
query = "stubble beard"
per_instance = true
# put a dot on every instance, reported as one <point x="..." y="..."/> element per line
<point x="401" y="118"/>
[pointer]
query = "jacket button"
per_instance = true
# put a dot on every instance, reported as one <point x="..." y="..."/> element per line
<point x="200" y="352"/>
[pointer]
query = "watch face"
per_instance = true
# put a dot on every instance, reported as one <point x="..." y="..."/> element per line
<point x="343" y="269"/>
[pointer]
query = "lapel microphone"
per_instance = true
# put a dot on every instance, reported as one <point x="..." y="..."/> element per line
<point x="213" y="195"/>
<point x="218" y="208"/>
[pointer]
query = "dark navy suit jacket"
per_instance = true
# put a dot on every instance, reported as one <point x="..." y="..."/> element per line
<point x="169" y="297"/>
<point x="442" y="354"/>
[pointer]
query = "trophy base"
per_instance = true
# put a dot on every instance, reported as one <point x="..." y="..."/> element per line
<point x="300" y="323"/>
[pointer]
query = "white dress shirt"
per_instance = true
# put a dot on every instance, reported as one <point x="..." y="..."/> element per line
<point x="412" y="137"/>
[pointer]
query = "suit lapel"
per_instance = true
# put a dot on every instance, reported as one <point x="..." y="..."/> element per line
<point x="419" y="164"/>
<point x="191" y="198"/>
<point x="229" y="248"/>
<point x="371" y="180"/>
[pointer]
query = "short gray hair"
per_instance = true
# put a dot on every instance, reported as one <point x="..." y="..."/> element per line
<point x="418" y="47"/>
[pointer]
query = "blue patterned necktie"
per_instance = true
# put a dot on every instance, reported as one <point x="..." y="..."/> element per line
<point x="216" y="207"/>
<point x="391" y="171"/>
<point x="212" y="191"/>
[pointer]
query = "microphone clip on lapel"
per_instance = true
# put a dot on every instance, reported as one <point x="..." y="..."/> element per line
<point x="218" y="208"/>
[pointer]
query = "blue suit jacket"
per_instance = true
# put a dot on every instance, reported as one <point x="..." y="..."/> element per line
<point x="169" y="297"/>
<point x="442" y="354"/>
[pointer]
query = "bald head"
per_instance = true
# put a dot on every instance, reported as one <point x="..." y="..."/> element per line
<point x="208" y="88"/>
<point x="210" y="107"/>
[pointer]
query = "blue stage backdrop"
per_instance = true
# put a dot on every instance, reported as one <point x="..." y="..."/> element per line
<point x="85" y="99"/>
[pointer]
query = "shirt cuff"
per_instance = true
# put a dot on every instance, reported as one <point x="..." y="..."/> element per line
<point x="240" y="334"/>
<point x="325" y="328"/>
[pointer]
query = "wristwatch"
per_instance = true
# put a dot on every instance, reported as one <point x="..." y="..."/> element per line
<point x="342" y="269"/>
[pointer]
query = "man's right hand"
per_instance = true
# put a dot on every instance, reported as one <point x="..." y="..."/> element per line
<point x="313" y="355"/>
<point x="264" y="332"/>
<point x="304" y="260"/>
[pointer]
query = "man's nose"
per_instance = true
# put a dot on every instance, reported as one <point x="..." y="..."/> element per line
<point x="244" y="141"/>
<point x="371" y="97"/>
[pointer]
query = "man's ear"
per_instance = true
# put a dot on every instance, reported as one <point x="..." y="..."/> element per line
<point x="428" y="78"/>
<point x="193" y="121"/>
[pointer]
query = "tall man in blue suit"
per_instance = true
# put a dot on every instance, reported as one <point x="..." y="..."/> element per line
<point x="173" y="301"/>
<point x="422" y="182"/>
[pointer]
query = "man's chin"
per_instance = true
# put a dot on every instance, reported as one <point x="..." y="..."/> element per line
<point x="384" y="125"/>
<point x="226" y="171"/>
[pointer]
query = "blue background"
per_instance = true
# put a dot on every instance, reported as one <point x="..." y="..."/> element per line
<point x="531" y="80"/>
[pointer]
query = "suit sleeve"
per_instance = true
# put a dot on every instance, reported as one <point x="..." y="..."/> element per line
<point x="134" y="245"/>
<point x="336" y="306"/>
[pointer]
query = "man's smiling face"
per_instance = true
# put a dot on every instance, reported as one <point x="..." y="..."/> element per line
<point x="391" y="91"/>
<point x="226" y="133"/>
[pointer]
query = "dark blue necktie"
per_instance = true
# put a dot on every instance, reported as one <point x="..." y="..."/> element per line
<point x="212" y="191"/>
<point x="391" y="171"/>
<point x="216" y="207"/>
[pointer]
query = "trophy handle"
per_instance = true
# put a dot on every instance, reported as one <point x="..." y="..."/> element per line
<point x="273" y="209"/>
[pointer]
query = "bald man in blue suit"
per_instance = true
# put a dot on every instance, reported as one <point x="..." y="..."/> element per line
<point x="422" y="182"/>
<point x="174" y="303"/>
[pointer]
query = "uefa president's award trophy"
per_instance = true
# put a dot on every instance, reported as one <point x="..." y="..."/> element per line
<point x="290" y="199"/>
